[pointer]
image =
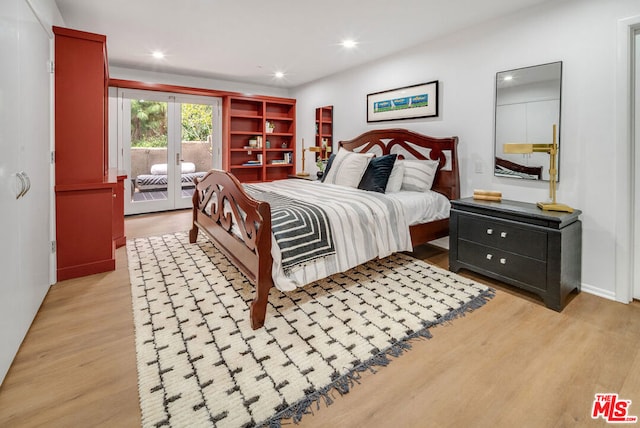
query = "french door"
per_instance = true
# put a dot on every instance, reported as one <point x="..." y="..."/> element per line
<point x="166" y="140"/>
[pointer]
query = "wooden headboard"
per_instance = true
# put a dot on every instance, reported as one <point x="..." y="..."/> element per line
<point x="411" y="145"/>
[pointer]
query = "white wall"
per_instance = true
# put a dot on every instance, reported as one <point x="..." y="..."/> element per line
<point x="582" y="34"/>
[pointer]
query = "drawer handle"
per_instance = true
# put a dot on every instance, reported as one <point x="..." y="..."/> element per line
<point x="489" y="256"/>
<point x="489" y="231"/>
<point x="503" y="261"/>
<point x="503" y="234"/>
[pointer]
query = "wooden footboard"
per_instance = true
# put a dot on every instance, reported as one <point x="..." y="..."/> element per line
<point x="240" y="227"/>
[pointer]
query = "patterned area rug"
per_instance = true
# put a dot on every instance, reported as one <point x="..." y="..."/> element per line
<point x="200" y="364"/>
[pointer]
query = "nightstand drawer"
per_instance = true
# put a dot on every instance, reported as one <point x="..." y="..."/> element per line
<point x="503" y="263"/>
<point x="504" y="236"/>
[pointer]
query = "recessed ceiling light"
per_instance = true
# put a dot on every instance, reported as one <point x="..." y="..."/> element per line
<point x="507" y="78"/>
<point x="158" y="54"/>
<point x="349" y="43"/>
<point x="279" y="74"/>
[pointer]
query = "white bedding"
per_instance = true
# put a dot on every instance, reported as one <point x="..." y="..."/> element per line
<point x="422" y="207"/>
<point x="366" y="225"/>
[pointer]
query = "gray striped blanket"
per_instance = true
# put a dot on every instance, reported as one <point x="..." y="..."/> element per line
<point x="301" y="229"/>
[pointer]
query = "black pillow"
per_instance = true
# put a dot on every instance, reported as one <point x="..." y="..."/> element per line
<point x="327" y="167"/>
<point x="376" y="175"/>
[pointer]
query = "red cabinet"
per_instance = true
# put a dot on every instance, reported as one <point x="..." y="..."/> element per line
<point x="88" y="212"/>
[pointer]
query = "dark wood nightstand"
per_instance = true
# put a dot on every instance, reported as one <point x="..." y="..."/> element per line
<point x="519" y="244"/>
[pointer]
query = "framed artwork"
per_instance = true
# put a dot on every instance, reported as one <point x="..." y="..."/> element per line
<point x="409" y="102"/>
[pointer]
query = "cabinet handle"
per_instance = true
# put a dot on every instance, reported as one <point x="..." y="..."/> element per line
<point x="503" y="261"/>
<point x="489" y="256"/>
<point x="503" y="234"/>
<point x="26" y="177"/>
<point x="23" y="185"/>
<point x="489" y="231"/>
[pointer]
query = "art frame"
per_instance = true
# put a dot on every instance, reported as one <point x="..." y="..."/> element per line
<point x="409" y="102"/>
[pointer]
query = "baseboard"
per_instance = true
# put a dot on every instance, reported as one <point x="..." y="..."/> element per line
<point x="441" y="242"/>
<point x="605" y="294"/>
<point x="86" y="269"/>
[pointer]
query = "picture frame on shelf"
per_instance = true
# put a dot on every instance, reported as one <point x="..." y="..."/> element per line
<point x="409" y="102"/>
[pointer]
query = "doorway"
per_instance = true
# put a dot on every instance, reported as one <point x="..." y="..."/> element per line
<point x="166" y="141"/>
<point x="635" y="129"/>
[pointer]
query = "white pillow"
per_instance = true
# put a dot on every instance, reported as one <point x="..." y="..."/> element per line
<point x="395" y="178"/>
<point x="348" y="168"/>
<point x="188" y="167"/>
<point x="418" y="174"/>
<point x="161" y="168"/>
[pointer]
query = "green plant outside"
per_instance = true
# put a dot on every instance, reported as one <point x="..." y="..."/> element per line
<point x="149" y="123"/>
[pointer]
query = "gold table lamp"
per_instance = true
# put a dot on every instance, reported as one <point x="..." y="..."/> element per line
<point x="552" y="149"/>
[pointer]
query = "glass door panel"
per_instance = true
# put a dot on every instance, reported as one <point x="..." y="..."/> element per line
<point x="196" y="147"/>
<point x="147" y="152"/>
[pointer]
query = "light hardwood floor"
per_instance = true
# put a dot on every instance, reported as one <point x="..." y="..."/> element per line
<point x="512" y="363"/>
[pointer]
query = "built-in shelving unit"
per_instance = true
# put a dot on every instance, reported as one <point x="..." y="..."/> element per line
<point x="259" y="138"/>
<point x="324" y="131"/>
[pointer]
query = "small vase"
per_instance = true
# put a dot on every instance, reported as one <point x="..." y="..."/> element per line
<point x="319" y="174"/>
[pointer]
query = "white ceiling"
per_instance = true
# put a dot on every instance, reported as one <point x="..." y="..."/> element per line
<point x="249" y="40"/>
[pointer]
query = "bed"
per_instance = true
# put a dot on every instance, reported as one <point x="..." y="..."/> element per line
<point x="241" y="222"/>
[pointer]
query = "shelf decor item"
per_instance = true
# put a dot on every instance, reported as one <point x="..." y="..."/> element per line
<point x="270" y="127"/>
<point x="552" y="149"/>
<point x="409" y="102"/>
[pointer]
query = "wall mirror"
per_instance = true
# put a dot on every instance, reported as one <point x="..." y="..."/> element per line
<point x="527" y="107"/>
